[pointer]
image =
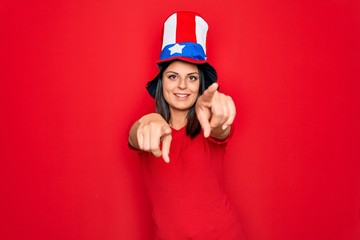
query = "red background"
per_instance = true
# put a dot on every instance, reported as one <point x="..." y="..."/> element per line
<point x="73" y="77"/>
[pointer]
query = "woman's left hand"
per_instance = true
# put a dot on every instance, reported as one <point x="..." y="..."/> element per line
<point x="215" y="110"/>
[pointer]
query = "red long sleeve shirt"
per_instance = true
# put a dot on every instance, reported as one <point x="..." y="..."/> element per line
<point x="187" y="194"/>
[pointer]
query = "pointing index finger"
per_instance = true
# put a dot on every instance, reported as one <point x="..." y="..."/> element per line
<point x="166" y="142"/>
<point x="210" y="92"/>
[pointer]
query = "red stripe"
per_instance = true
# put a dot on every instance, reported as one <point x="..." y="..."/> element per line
<point x="185" y="29"/>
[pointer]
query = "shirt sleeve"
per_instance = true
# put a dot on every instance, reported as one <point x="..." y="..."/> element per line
<point x="223" y="141"/>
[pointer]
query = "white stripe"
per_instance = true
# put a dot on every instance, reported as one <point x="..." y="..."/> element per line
<point x="201" y="31"/>
<point x="169" y="31"/>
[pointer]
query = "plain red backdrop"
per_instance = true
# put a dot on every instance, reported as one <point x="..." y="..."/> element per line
<point x="73" y="77"/>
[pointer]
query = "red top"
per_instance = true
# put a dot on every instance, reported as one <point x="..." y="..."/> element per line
<point x="187" y="194"/>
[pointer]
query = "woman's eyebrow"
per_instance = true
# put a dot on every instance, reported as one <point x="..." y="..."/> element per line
<point x="179" y="74"/>
<point x="172" y="72"/>
<point x="193" y="73"/>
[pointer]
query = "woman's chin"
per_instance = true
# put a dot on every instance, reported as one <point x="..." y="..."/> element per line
<point x="181" y="107"/>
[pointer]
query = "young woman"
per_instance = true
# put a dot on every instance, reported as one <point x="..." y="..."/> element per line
<point x="189" y="130"/>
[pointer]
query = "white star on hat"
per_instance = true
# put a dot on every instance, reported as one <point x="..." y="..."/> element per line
<point x="177" y="48"/>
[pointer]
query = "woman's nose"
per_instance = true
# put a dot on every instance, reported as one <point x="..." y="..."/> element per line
<point x="182" y="83"/>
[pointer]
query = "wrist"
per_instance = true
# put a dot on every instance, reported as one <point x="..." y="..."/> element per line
<point x="220" y="133"/>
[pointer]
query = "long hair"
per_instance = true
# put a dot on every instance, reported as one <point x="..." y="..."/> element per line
<point x="193" y="126"/>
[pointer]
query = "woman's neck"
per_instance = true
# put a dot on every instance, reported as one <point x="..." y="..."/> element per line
<point x="178" y="119"/>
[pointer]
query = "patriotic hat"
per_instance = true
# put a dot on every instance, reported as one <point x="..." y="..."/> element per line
<point x="184" y="38"/>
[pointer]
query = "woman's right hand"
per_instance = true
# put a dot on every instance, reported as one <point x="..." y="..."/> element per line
<point x="153" y="130"/>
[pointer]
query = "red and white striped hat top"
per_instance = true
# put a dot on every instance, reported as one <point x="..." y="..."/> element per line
<point x="184" y="38"/>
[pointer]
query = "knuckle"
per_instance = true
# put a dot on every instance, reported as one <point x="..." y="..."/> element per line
<point x="156" y="153"/>
<point x="140" y="128"/>
<point x="216" y="116"/>
<point x="154" y="148"/>
<point x="139" y="133"/>
<point x="145" y="128"/>
<point x="229" y="123"/>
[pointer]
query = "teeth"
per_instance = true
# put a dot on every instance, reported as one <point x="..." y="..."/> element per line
<point x="181" y="95"/>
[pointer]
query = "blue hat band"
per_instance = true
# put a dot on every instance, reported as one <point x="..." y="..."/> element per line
<point x="185" y="49"/>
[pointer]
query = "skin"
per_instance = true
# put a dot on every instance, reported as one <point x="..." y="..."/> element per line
<point x="215" y="111"/>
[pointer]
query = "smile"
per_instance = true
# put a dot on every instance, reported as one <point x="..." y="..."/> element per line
<point x="181" y="95"/>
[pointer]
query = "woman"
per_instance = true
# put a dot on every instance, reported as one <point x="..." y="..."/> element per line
<point x="186" y="189"/>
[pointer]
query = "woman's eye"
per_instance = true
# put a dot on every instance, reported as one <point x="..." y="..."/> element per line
<point x="172" y="77"/>
<point x="193" y="78"/>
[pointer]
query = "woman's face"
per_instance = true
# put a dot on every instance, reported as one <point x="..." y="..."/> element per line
<point x="181" y="85"/>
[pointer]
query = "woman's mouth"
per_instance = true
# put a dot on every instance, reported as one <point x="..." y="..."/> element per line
<point x="181" y="95"/>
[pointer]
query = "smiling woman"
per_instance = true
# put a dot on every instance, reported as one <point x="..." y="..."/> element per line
<point x="180" y="86"/>
<point x="187" y="194"/>
<point x="180" y="83"/>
